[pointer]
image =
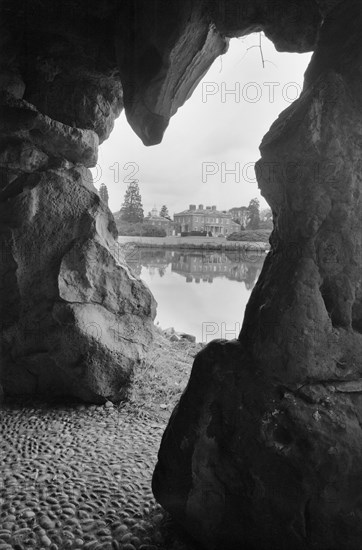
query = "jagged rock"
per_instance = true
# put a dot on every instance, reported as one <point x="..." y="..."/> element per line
<point x="292" y="26"/>
<point x="91" y="101"/>
<point x="21" y="122"/>
<point x="19" y="156"/>
<point x="264" y="449"/>
<point x="170" y="54"/>
<point x="75" y="321"/>
<point x="188" y="337"/>
<point x="169" y="57"/>
<point x="67" y="60"/>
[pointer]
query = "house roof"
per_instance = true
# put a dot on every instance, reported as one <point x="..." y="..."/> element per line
<point x="203" y="212"/>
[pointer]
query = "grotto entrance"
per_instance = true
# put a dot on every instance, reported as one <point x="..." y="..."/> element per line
<point x="264" y="450"/>
<point x="215" y="165"/>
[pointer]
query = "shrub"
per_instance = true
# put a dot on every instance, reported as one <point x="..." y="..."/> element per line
<point x="139" y="229"/>
<point x="150" y="230"/>
<point x="256" y="235"/>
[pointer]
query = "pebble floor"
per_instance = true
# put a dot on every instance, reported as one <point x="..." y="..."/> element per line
<point x="79" y="477"/>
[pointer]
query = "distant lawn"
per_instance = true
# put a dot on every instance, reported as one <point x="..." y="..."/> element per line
<point x="251" y="235"/>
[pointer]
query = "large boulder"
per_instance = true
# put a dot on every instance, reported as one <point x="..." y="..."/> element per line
<point x="245" y="463"/>
<point x="75" y="320"/>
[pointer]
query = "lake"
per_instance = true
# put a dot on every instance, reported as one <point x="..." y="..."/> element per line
<point x="200" y="292"/>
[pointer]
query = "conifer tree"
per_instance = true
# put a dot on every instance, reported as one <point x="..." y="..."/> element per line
<point x="103" y="193"/>
<point x="132" y="209"/>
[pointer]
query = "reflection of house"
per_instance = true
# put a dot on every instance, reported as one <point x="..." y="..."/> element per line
<point x="205" y="219"/>
<point x="206" y="266"/>
<point x="200" y="266"/>
<point x="151" y="259"/>
<point x="158" y="221"/>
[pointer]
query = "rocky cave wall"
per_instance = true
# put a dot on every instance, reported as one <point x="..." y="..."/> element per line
<point x="74" y="320"/>
<point x="264" y="450"/>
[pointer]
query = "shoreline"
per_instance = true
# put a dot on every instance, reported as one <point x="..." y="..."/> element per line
<point x="195" y="243"/>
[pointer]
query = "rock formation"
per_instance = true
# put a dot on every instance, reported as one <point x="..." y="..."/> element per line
<point x="74" y="320"/>
<point x="168" y="47"/>
<point x="264" y="449"/>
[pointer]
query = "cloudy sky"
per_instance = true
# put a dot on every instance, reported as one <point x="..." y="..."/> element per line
<point x="212" y="142"/>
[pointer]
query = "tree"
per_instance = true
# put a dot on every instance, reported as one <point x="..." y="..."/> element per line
<point x="254" y="214"/>
<point x="132" y="209"/>
<point x="244" y="216"/>
<point x="164" y="212"/>
<point x="266" y="215"/>
<point x="266" y="219"/>
<point x="241" y="216"/>
<point x="103" y="193"/>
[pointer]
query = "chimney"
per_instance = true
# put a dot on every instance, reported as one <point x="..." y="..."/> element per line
<point x="192" y="206"/>
<point x="201" y="206"/>
<point x="213" y="208"/>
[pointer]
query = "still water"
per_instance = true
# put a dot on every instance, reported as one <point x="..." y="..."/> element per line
<point x="198" y="292"/>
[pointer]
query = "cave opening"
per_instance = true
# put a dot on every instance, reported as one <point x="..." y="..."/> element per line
<point x="207" y="156"/>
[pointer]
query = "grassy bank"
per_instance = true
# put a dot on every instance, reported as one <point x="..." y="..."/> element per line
<point x="251" y="235"/>
<point x="160" y="381"/>
<point x="203" y="243"/>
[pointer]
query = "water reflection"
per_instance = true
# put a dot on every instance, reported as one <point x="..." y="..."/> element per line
<point x="207" y="266"/>
<point x="199" y="266"/>
<point x="203" y="293"/>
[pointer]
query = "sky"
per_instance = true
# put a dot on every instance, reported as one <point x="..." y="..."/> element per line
<point x="211" y="144"/>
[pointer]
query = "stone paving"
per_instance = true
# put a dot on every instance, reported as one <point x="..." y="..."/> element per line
<point x="79" y="477"/>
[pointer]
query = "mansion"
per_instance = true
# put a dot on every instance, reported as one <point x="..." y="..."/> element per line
<point x="207" y="219"/>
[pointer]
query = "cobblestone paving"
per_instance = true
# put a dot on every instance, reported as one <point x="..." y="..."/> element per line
<point x="79" y="477"/>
